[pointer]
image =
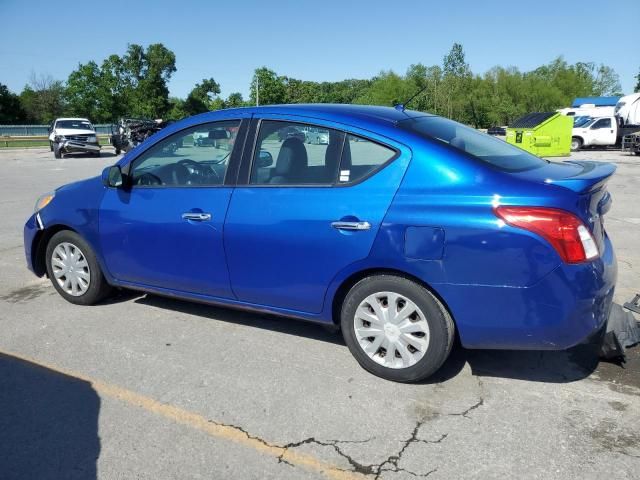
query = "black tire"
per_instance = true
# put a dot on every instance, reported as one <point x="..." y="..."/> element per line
<point x="98" y="287"/>
<point x="117" y="151"/>
<point x="50" y="145"/>
<point x="57" y="153"/>
<point x="441" y="327"/>
<point x="576" y="144"/>
<point x="96" y="154"/>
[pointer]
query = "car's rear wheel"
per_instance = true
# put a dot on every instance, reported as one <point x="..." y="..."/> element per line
<point x="396" y="328"/>
<point x="74" y="270"/>
<point x="576" y="144"/>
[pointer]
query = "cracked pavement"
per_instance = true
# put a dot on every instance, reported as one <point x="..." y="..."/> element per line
<point x="192" y="391"/>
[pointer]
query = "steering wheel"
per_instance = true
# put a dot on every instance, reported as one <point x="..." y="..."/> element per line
<point x="199" y="169"/>
<point x="148" y="179"/>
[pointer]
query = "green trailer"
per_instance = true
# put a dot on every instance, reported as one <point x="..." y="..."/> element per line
<point x="546" y="134"/>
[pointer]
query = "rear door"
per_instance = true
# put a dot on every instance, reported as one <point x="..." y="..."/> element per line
<point x="303" y="212"/>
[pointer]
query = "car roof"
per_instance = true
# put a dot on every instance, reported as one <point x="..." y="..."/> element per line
<point x="79" y="119"/>
<point x="343" y="113"/>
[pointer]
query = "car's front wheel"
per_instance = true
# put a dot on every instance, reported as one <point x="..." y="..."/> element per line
<point x="396" y="328"/>
<point x="576" y="144"/>
<point x="74" y="270"/>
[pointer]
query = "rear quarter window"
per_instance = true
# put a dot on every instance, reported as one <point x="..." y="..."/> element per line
<point x="362" y="157"/>
<point x="490" y="150"/>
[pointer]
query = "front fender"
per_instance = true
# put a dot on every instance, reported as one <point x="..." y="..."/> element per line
<point x="76" y="206"/>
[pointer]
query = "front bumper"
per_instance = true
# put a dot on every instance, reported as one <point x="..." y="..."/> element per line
<point x="31" y="232"/>
<point x="77" y="146"/>
<point x="567" y="306"/>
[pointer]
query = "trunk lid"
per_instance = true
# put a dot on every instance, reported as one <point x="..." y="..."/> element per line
<point x="589" y="181"/>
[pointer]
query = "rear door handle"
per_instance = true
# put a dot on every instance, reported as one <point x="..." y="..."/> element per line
<point x="196" y="216"/>
<point x="351" y="225"/>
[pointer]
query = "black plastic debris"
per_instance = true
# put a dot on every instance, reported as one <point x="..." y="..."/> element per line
<point x="634" y="305"/>
<point x="623" y="331"/>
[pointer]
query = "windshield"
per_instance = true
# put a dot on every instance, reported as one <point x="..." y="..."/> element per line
<point x="580" y="121"/>
<point x="484" y="147"/>
<point x="74" y="124"/>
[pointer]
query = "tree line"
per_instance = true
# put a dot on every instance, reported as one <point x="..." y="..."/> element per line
<point x="135" y="84"/>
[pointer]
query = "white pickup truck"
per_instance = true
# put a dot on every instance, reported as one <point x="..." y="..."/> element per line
<point x="68" y="135"/>
<point x="602" y="131"/>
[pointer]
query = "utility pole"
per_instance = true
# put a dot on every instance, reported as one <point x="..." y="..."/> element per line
<point x="257" y="90"/>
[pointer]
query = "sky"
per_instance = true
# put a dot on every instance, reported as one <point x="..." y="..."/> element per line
<point x="316" y="40"/>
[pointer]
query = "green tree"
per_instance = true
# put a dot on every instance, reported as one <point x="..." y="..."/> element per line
<point x="234" y="100"/>
<point x="11" y="110"/>
<point x="201" y="98"/>
<point x="267" y="88"/>
<point x="637" y="87"/>
<point x="43" y="98"/>
<point x="177" y="110"/>
<point x="134" y="84"/>
<point x="388" y="89"/>
<point x="83" y="92"/>
<point x="606" y="82"/>
<point x="456" y="78"/>
<point x="149" y="72"/>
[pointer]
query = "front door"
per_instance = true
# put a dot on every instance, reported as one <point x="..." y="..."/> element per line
<point x="603" y="132"/>
<point x="308" y="210"/>
<point x="165" y="229"/>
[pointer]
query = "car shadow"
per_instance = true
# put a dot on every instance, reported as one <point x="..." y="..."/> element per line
<point x="274" y="323"/>
<point x="103" y="154"/>
<point x="537" y="366"/>
<point x="48" y="423"/>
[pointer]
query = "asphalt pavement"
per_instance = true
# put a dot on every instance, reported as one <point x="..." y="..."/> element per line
<point x="152" y="388"/>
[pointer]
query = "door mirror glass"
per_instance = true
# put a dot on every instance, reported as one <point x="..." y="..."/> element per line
<point x="112" y="176"/>
<point x="264" y="159"/>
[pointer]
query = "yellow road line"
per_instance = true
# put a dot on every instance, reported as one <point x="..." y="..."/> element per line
<point x="198" y="422"/>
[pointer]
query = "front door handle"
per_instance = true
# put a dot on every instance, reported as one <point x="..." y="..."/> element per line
<point x="351" y="225"/>
<point x="196" y="216"/>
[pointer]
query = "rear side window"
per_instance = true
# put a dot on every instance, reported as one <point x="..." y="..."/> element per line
<point x="360" y="157"/>
<point x="290" y="153"/>
<point x="493" y="151"/>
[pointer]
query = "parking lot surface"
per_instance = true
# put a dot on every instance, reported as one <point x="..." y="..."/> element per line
<point x="152" y="388"/>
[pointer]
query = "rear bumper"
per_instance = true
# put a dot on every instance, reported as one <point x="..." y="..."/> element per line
<point x="566" y="307"/>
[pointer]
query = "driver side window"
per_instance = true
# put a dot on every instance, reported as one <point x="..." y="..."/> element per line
<point x="602" y="123"/>
<point x="197" y="156"/>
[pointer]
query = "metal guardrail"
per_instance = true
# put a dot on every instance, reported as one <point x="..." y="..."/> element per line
<point x="6" y="140"/>
<point x="38" y="130"/>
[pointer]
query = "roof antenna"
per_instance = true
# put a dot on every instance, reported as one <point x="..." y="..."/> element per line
<point x="401" y="106"/>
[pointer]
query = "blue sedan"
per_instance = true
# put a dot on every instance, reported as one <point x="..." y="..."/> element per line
<point x="405" y="229"/>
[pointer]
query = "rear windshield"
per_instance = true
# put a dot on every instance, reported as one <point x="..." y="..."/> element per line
<point x="491" y="150"/>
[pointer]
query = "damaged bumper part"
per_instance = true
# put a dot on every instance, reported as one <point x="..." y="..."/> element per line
<point x="622" y="331"/>
<point x="78" y="143"/>
<point x="75" y="146"/>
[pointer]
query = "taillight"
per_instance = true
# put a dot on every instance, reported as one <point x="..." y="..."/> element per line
<point x="563" y="230"/>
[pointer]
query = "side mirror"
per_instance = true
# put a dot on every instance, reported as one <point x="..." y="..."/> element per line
<point x="265" y="159"/>
<point x="112" y="177"/>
